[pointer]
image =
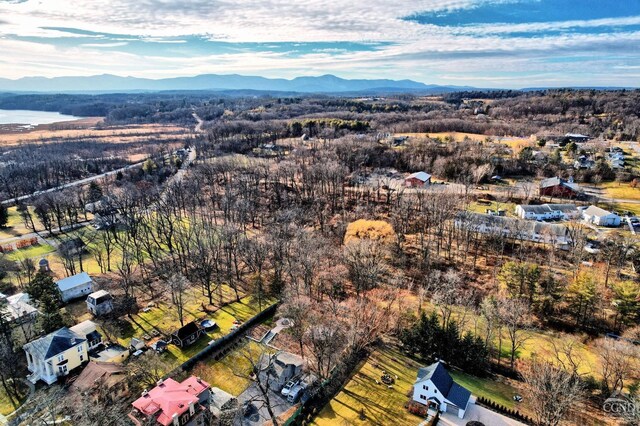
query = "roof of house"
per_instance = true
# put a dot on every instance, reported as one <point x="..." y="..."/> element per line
<point x="441" y="379"/>
<point x="187" y="330"/>
<point x="74" y="281"/>
<point x="85" y="328"/>
<point x="169" y="398"/>
<point x="545" y="208"/>
<point x="422" y="176"/>
<point x="220" y="400"/>
<point x="99" y="373"/>
<point x="98" y="294"/>
<point x="555" y="181"/>
<point x="54" y="343"/>
<point x="519" y="226"/>
<point x="18" y="305"/>
<point x="576" y="135"/>
<point x="597" y="211"/>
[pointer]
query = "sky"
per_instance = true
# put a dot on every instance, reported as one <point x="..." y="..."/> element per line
<point x="481" y="43"/>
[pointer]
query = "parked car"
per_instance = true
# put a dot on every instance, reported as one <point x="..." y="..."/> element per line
<point x="295" y="393"/>
<point x="288" y="386"/>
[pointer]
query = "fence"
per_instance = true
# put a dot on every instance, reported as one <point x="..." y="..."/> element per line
<point x="224" y="342"/>
<point x="514" y="414"/>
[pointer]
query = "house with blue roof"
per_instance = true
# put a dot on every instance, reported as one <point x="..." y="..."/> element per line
<point x="434" y="386"/>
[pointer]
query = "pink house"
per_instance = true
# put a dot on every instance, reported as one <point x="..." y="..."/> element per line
<point x="173" y="404"/>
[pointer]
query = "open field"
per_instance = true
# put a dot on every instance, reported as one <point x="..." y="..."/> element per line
<point x="620" y="190"/>
<point x="112" y="134"/>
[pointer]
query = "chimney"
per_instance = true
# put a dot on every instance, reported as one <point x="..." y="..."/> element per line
<point x="145" y="392"/>
<point x="192" y="408"/>
<point x="160" y="382"/>
<point x="198" y="379"/>
<point x="175" y="419"/>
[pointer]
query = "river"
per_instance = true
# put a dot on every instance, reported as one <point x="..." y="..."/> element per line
<point x="32" y="118"/>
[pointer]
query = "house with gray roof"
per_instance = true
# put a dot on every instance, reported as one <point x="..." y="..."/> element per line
<point x="548" y="211"/>
<point x="434" y="385"/>
<point x="60" y="352"/>
<point x="600" y="217"/>
<point x="55" y="355"/>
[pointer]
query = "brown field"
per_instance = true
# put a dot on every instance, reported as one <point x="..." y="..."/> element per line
<point x="86" y="129"/>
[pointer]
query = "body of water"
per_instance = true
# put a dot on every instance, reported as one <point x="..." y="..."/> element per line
<point x="33" y="118"/>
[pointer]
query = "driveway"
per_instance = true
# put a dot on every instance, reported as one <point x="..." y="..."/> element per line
<point x="480" y="414"/>
<point x="260" y="415"/>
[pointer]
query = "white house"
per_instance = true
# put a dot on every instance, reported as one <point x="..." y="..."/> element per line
<point x="75" y="286"/>
<point x="600" y="217"/>
<point x="548" y="211"/>
<point x="434" y="384"/>
<point x="19" y="309"/>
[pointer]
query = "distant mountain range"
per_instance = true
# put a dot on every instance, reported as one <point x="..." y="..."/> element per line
<point x="215" y="82"/>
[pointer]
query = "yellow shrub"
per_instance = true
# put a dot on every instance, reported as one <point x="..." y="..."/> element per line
<point x="377" y="230"/>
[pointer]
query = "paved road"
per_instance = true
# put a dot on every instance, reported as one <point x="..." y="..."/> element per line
<point x="71" y="184"/>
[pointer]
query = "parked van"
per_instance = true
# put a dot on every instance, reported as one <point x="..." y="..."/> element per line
<point x="295" y="393"/>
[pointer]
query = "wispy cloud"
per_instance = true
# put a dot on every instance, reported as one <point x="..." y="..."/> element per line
<point x="439" y="41"/>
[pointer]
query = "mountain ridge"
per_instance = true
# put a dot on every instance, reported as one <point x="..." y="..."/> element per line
<point x="326" y="83"/>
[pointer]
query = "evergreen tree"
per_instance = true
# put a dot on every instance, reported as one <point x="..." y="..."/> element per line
<point x="4" y="216"/>
<point x="94" y="193"/>
<point x="50" y="318"/>
<point x="41" y="286"/>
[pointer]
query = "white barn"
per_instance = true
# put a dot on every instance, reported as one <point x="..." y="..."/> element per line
<point x="548" y="211"/>
<point x="75" y="286"/>
<point x="435" y="385"/>
<point x="600" y="217"/>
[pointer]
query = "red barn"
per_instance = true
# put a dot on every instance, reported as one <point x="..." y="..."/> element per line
<point x="417" y="180"/>
<point x="558" y="187"/>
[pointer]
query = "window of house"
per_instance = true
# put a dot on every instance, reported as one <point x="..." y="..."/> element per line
<point x="60" y="357"/>
<point x="80" y="348"/>
<point x="81" y="357"/>
<point x="425" y="387"/>
<point x="424" y="397"/>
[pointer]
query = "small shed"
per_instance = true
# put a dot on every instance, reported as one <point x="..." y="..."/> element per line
<point x="186" y="335"/>
<point x="100" y="303"/>
<point x="75" y="286"/>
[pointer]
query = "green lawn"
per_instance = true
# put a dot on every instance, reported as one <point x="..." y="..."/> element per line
<point x="232" y="371"/>
<point x="31" y="252"/>
<point x="15" y="226"/>
<point x="499" y="392"/>
<point x="381" y="405"/>
<point x="6" y="405"/>
<point x="477" y="207"/>
<point x="164" y="319"/>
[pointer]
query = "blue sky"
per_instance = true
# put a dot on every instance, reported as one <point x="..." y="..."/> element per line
<point x="484" y="43"/>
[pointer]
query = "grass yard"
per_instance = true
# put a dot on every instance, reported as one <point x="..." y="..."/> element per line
<point x="499" y="392"/>
<point x="231" y="372"/>
<point x="15" y="226"/>
<point x="382" y="406"/>
<point x="620" y="190"/>
<point x="32" y="252"/>
<point x="6" y="405"/>
<point x="164" y="319"/>
<point x="477" y="207"/>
